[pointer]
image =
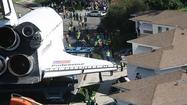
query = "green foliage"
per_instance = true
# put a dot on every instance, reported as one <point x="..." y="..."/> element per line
<point x="119" y="14"/>
<point x="16" y="0"/>
<point x="183" y="9"/>
<point x="86" y="92"/>
<point x="78" y="6"/>
<point x="40" y="1"/>
<point x="164" y="4"/>
<point x="118" y="24"/>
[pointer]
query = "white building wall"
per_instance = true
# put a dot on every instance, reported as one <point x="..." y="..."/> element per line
<point x="145" y="72"/>
<point x="140" y="48"/>
<point x="120" y="102"/>
<point x="168" y="70"/>
<point x="134" y="47"/>
<point x="133" y="69"/>
<point x="164" y="28"/>
<point x="142" y="26"/>
<point x="145" y="26"/>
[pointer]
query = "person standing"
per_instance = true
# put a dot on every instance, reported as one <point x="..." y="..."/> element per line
<point x="100" y="77"/>
<point x="74" y="15"/>
<point x="122" y="65"/>
<point x="85" y="19"/>
<point x="108" y="55"/>
<point x="78" y="34"/>
<point x="138" y="76"/>
<point x="77" y="16"/>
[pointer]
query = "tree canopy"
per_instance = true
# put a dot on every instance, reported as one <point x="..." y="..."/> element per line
<point x="165" y="4"/>
<point x="117" y="19"/>
<point x="120" y="12"/>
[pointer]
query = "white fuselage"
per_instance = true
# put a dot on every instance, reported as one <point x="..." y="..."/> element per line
<point x="51" y="30"/>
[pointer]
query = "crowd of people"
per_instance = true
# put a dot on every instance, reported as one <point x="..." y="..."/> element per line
<point x="99" y="40"/>
<point x="72" y="5"/>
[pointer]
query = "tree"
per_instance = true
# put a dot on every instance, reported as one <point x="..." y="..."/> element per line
<point x="118" y="24"/>
<point x="120" y="12"/>
<point x="164" y="4"/>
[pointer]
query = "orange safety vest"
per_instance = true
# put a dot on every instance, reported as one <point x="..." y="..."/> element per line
<point x="23" y="101"/>
<point x="19" y="101"/>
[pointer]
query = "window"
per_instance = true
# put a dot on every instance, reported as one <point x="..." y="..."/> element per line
<point x="147" y="32"/>
<point x="147" y="28"/>
<point x="159" y="29"/>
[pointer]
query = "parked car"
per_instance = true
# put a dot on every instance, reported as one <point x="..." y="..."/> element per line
<point x="96" y="13"/>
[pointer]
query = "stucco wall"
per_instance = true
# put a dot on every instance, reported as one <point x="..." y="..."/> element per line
<point x="142" y="25"/>
<point x="119" y="102"/>
<point x="145" y="26"/>
<point x="168" y="70"/>
<point x="133" y="69"/>
<point x="137" y="49"/>
<point x="164" y="28"/>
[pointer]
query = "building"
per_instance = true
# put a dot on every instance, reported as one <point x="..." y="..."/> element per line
<point x="149" y="43"/>
<point x="165" y="89"/>
<point x="159" y="51"/>
<point x="152" y="22"/>
<point x="168" y="57"/>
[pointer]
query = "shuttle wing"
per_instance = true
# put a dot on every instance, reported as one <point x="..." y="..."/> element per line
<point x="67" y="64"/>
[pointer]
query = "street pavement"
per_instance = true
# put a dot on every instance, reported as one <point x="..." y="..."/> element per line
<point x="92" y="23"/>
<point x="101" y="96"/>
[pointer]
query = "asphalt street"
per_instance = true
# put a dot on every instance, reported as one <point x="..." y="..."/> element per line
<point x="92" y="22"/>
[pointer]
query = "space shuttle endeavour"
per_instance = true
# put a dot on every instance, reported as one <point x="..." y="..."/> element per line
<point x="32" y="49"/>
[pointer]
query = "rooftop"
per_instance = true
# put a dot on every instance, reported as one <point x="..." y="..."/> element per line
<point x="164" y="89"/>
<point x="172" y="55"/>
<point x="166" y="17"/>
<point x="163" y="39"/>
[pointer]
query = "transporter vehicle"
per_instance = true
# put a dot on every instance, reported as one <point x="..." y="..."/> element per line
<point x="32" y="54"/>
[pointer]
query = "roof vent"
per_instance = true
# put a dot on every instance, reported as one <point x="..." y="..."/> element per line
<point x="153" y="50"/>
<point x="182" y="33"/>
<point x="176" y="83"/>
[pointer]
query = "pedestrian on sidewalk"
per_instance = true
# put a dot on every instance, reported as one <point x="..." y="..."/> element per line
<point x="122" y="65"/>
<point x="73" y="15"/>
<point x="78" y="34"/>
<point x="77" y="16"/>
<point x="100" y="77"/>
<point x="74" y="29"/>
<point x="80" y="17"/>
<point x="108" y="57"/>
<point x="85" y="19"/>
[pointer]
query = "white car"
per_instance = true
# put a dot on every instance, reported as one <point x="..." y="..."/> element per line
<point x="97" y="13"/>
